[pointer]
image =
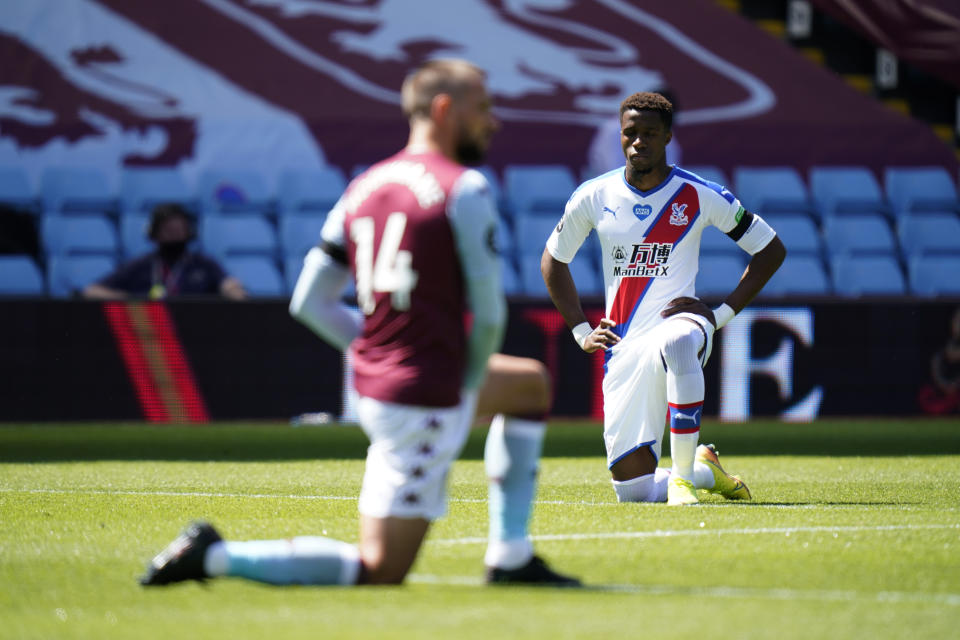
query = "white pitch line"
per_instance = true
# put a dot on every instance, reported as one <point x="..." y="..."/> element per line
<point x="816" y="595"/>
<point x="562" y="503"/>
<point x="555" y="537"/>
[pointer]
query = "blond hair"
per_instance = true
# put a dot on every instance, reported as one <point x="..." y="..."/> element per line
<point x="435" y="77"/>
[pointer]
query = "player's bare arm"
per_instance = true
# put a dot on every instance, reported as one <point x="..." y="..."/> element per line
<point x="758" y="272"/>
<point x="564" y="294"/>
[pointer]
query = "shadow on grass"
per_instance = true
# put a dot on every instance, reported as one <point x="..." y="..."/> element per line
<point x="278" y="441"/>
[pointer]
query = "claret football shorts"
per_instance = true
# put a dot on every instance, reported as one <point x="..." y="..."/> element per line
<point x="635" y="388"/>
<point x="411" y="450"/>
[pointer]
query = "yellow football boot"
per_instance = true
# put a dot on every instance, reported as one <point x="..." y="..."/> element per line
<point x="730" y="487"/>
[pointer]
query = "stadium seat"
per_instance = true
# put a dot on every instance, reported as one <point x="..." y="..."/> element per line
<point x="259" y="275"/>
<point x="719" y="274"/>
<point x="313" y="190"/>
<point x="841" y="190"/>
<point x="15" y="190"/>
<point x="76" y="189"/>
<point x="242" y="234"/>
<point x="855" y="276"/>
<point x="710" y="173"/>
<point x="772" y="189"/>
<point x="233" y="190"/>
<point x="859" y="234"/>
<point x="508" y="276"/>
<point x="299" y="232"/>
<point x="713" y="241"/>
<point x="584" y="273"/>
<point x="800" y="274"/>
<point x="920" y="189"/>
<point x="81" y="234"/>
<point x="69" y="274"/>
<point x="143" y="188"/>
<point x="531" y="231"/>
<point x="540" y="188"/>
<point x="20" y="276"/>
<point x="133" y="234"/>
<point x="935" y="275"/>
<point x="291" y="270"/>
<point x="925" y="233"/>
<point x="798" y="232"/>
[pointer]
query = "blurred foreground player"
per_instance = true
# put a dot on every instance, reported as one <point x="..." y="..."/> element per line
<point x="417" y="231"/>
<point x="649" y="216"/>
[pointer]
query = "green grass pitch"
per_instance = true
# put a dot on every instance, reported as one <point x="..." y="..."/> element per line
<point x="854" y="533"/>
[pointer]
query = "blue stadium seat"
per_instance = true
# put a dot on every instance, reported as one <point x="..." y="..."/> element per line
<point x="509" y="277"/>
<point x="531" y="232"/>
<point x="920" y="189"/>
<point x="840" y="190"/>
<point x="935" y="275"/>
<point x="133" y="234"/>
<point x="800" y="274"/>
<point x="859" y="234"/>
<point x="233" y="190"/>
<point x="313" y="190"/>
<point x="713" y="241"/>
<point x="300" y="232"/>
<point x="719" y="274"/>
<point x="798" y="232"/>
<point x="925" y="233"/>
<point x="15" y="190"/>
<point x="142" y="189"/>
<point x="585" y="277"/>
<point x="856" y="276"/>
<point x="69" y="274"/>
<point x="241" y="234"/>
<point x="291" y="270"/>
<point x="20" y="276"/>
<point x="81" y="234"/>
<point x="710" y="173"/>
<point x="772" y="189"/>
<point x="76" y="189"/>
<point x="259" y="275"/>
<point x="541" y="188"/>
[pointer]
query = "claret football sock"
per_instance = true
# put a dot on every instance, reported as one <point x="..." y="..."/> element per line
<point x="511" y="458"/>
<point x="302" y="560"/>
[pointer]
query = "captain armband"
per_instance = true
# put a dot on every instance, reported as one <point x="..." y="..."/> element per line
<point x="757" y="236"/>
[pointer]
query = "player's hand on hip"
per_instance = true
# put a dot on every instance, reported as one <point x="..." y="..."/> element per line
<point x="601" y="337"/>
<point x="686" y="304"/>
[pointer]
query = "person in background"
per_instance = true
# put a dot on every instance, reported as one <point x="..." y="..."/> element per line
<point x="942" y="395"/>
<point x="171" y="270"/>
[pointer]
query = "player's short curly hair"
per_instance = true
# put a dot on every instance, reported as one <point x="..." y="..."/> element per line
<point x="649" y="101"/>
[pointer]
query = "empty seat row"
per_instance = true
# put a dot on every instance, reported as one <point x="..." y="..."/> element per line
<point x="827" y="190"/>
<point x="86" y="189"/>
<point x="219" y="235"/>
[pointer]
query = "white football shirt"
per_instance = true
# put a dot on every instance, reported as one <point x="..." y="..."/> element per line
<point x="650" y="240"/>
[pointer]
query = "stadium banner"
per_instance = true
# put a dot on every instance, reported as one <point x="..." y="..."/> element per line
<point x="289" y="84"/>
<point x="195" y="361"/>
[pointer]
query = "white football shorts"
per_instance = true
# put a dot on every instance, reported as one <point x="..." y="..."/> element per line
<point x="411" y="450"/>
<point x="635" y="387"/>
